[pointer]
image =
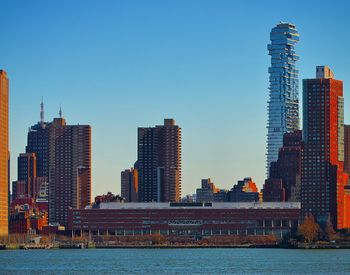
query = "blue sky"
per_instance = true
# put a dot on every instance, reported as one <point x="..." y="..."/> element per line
<point x="119" y="65"/>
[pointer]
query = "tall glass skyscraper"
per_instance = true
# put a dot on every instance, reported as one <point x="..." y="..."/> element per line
<point x="283" y="104"/>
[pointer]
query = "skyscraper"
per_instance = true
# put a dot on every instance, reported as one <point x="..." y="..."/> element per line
<point x="323" y="181"/>
<point x="4" y="153"/>
<point x="63" y="158"/>
<point x="129" y="185"/>
<point x="69" y="168"/>
<point x="283" y="104"/>
<point x="38" y="143"/>
<point x="27" y="171"/>
<point x="159" y="162"/>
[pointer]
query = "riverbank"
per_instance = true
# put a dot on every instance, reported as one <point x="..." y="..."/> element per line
<point x="322" y="245"/>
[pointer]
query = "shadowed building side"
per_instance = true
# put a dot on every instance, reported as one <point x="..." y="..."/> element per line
<point x="129" y="185"/>
<point x="285" y="173"/>
<point x="347" y="149"/>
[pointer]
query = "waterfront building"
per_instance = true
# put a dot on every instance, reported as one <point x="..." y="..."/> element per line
<point x="209" y="192"/>
<point x="287" y="168"/>
<point x="159" y="162"/>
<point x="283" y="103"/>
<point x="244" y="191"/>
<point x="194" y="220"/>
<point x="323" y="181"/>
<point x="4" y="153"/>
<point x="206" y="192"/>
<point x="69" y="168"/>
<point x="63" y="165"/>
<point x="27" y="217"/>
<point x="129" y="185"/>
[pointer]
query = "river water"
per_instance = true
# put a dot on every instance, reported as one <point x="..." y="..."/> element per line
<point x="175" y="261"/>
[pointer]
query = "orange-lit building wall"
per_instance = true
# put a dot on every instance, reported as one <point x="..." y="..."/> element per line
<point x="323" y="176"/>
<point x="4" y="153"/>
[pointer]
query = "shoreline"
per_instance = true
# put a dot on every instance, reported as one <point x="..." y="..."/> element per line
<point x="246" y="246"/>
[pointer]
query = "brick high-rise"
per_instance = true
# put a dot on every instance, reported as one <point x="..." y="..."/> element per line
<point x="323" y="179"/>
<point x="159" y="162"/>
<point x="63" y="158"/>
<point x="4" y="153"/>
<point x="286" y="170"/>
<point x="69" y="168"/>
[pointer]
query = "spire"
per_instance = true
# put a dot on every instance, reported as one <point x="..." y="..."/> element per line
<point x="42" y="111"/>
<point x="60" y="112"/>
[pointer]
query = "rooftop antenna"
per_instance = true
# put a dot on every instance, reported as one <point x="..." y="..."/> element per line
<point x="42" y="111"/>
<point x="60" y="112"/>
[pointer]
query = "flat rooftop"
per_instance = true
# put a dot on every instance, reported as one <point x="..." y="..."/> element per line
<point x="211" y="205"/>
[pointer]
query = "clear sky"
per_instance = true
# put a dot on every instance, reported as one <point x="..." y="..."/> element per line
<point x="119" y="65"/>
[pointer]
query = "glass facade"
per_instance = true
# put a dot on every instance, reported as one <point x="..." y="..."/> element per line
<point x="283" y="104"/>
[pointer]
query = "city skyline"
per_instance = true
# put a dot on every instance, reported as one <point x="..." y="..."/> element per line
<point x="213" y="92"/>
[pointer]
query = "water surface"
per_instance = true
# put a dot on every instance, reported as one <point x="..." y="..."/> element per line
<point x="175" y="261"/>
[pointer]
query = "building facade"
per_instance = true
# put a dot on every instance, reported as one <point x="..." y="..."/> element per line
<point x="186" y="219"/>
<point x="323" y="181"/>
<point x="129" y="185"/>
<point x="244" y="191"/>
<point x="38" y="143"/>
<point x="26" y="171"/>
<point x="159" y="162"/>
<point x="347" y="149"/>
<point x="19" y="189"/>
<point x="62" y="174"/>
<point x="27" y="217"/>
<point x="274" y="191"/>
<point x="69" y="169"/>
<point x="283" y="104"/>
<point x="209" y="192"/>
<point x="206" y="192"/>
<point x="287" y="168"/>
<point x="4" y="153"/>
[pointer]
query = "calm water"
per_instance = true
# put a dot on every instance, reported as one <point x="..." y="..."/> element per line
<point x="175" y="261"/>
